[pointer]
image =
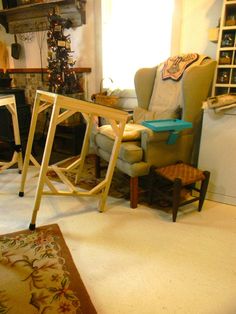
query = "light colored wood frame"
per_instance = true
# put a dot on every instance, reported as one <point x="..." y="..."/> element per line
<point x="90" y="111"/>
<point x="9" y="102"/>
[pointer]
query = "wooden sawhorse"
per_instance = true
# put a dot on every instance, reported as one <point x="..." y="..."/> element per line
<point x="10" y="103"/>
<point x="90" y="111"/>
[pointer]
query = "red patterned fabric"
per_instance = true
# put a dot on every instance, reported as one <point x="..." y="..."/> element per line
<point x="174" y="67"/>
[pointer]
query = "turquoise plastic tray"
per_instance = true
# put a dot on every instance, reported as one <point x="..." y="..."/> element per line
<point x="167" y="125"/>
<point x="174" y="126"/>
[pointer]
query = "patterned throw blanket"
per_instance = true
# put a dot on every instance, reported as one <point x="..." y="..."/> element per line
<point x="174" y="67"/>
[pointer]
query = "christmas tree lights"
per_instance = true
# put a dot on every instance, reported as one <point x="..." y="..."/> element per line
<point x="61" y="75"/>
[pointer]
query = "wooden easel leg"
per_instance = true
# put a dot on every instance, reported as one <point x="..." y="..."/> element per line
<point x="111" y="166"/>
<point x="16" y="132"/>
<point x="18" y="150"/>
<point x="29" y="145"/>
<point x="45" y="162"/>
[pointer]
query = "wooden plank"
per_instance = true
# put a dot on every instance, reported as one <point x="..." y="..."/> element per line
<point x="41" y="12"/>
<point x="44" y="70"/>
<point x="34" y="17"/>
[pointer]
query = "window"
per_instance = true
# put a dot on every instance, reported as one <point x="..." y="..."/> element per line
<point x="134" y="34"/>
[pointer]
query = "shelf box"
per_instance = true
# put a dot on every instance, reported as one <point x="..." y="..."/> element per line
<point x="230" y="15"/>
<point x="225" y="57"/>
<point x="228" y="38"/>
<point x="221" y="91"/>
<point x="223" y="76"/>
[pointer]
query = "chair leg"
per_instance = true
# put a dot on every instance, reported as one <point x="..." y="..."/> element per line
<point x="176" y="197"/>
<point x="151" y="182"/>
<point x="203" y="190"/>
<point x="133" y="192"/>
<point x="97" y="167"/>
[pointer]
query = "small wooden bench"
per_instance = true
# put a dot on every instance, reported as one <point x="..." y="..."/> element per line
<point x="176" y="177"/>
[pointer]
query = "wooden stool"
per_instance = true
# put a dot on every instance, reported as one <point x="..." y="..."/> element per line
<point x="179" y="175"/>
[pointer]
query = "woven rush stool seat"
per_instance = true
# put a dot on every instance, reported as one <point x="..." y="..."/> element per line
<point x="180" y="175"/>
<point x="186" y="173"/>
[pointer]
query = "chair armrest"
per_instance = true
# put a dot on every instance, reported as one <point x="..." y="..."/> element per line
<point x="158" y="152"/>
<point x="149" y="137"/>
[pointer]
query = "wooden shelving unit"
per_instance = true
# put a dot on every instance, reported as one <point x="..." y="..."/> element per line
<point x="34" y="17"/>
<point x="225" y="76"/>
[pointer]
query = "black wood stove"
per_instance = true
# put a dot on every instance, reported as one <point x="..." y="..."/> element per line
<point x="24" y="117"/>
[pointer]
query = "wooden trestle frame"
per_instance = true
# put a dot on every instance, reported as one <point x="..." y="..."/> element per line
<point x="10" y="103"/>
<point x="90" y="111"/>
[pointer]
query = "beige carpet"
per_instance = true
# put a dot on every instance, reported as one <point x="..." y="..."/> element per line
<point x="38" y="274"/>
<point x="136" y="261"/>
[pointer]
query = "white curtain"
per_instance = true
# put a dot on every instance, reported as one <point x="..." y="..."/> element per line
<point x="135" y="33"/>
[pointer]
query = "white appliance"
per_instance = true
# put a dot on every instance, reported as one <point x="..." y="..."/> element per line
<point x="218" y="154"/>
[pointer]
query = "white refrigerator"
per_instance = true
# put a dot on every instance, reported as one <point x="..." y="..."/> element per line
<point x="218" y="154"/>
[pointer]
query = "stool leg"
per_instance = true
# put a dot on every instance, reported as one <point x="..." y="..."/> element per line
<point x="176" y="197"/>
<point x="203" y="190"/>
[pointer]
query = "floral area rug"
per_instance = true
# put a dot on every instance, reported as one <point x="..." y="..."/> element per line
<point x="38" y="275"/>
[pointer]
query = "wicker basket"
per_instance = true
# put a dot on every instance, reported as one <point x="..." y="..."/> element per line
<point x="106" y="100"/>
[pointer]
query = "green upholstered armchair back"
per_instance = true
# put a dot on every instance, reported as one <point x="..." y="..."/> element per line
<point x="196" y="87"/>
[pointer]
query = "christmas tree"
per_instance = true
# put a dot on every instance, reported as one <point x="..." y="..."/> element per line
<point x="61" y="76"/>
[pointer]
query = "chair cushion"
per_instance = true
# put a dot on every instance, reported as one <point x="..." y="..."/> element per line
<point x="135" y="169"/>
<point x="132" y="131"/>
<point x="130" y="152"/>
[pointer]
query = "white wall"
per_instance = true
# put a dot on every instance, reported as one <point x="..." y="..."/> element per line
<point x="197" y="17"/>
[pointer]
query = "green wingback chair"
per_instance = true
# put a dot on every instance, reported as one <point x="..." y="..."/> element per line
<point x="142" y="148"/>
